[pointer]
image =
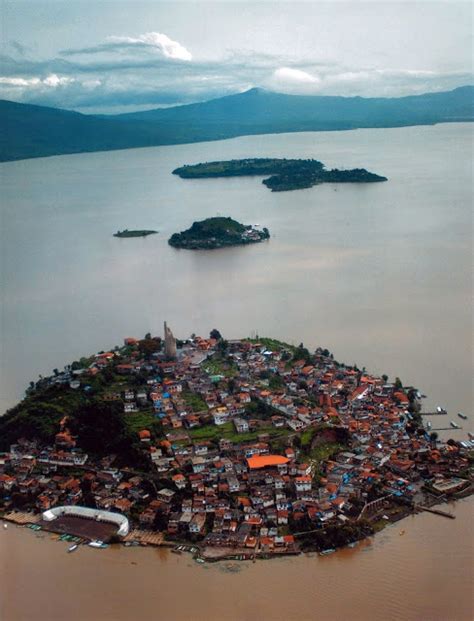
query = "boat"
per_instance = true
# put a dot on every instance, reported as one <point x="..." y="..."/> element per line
<point x="176" y="551"/>
<point x="461" y="415"/>
<point x="454" y="425"/>
<point x="428" y="425"/>
<point x="441" y="410"/>
<point x="328" y="551"/>
<point x="73" y="547"/>
<point x="471" y="435"/>
<point x="96" y="543"/>
<point x="5" y="526"/>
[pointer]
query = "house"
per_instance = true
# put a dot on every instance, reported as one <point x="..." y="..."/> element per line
<point x="241" y="425"/>
<point x="197" y="524"/>
<point x="303" y="484"/>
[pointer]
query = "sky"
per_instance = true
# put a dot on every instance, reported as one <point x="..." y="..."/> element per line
<point x="125" y="55"/>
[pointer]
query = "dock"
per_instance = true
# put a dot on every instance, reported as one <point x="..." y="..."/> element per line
<point x="435" y="511"/>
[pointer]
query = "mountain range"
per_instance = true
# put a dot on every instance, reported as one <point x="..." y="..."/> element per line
<point x="28" y="131"/>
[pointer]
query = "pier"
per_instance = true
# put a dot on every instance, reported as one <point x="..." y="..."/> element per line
<point x="435" y="511"/>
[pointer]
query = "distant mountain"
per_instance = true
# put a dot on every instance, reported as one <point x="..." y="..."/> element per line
<point x="36" y="131"/>
<point x="264" y="108"/>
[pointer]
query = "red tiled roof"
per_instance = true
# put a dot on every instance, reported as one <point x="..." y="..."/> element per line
<point x="262" y="461"/>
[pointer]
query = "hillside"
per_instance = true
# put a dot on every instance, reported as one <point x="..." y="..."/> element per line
<point x="36" y="131"/>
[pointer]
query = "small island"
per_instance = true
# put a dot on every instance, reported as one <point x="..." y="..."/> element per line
<point x="248" y="448"/>
<point x="216" y="233"/>
<point x="284" y="174"/>
<point x="135" y="233"/>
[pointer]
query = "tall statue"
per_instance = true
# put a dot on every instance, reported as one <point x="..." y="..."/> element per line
<point x="170" y="344"/>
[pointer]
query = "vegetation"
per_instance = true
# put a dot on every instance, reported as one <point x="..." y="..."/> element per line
<point x="136" y="233"/>
<point x="219" y="365"/>
<point x="216" y="233"/>
<point x="285" y="174"/>
<point x="194" y="401"/>
<point x="335" y="536"/>
<point x="37" y="131"/>
<point x="227" y="431"/>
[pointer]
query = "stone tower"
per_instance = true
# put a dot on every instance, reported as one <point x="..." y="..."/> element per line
<point x="170" y="344"/>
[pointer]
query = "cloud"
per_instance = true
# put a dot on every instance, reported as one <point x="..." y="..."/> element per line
<point x="151" y="70"/>
<point x="154" y="42"/>
<point x="287" y="75"/>
<point x="51" y="81"/>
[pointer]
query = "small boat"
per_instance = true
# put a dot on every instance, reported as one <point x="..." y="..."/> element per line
<point x="326" y="552"/>
<point x="96" y="543"/>
<point x="441" y="410"/>
<point x="73" y="547"/>
<point x="200" y="560"/>
<point x="471" y="435"/>
<point x="5" y="526"/>
<point x="428" y="425"/>
<point x="461" y="415"/>
<point x="454" y="425"/>
<point x="176" y="551"/>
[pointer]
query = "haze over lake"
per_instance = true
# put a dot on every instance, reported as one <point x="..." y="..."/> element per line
<point x="379" y="273"/>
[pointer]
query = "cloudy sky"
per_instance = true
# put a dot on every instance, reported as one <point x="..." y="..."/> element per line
<point x="124" y="55"/>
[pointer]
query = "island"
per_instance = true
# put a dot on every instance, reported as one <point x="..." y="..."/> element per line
<point x="242" y="449"/>
<point x="134" y="233"/>
<point x="216" y="233"/>
<point x="285" y="174"/>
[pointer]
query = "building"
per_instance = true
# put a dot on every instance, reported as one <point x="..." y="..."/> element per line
<point x="170" y="344"/>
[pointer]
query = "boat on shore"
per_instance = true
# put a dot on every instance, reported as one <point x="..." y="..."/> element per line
<point x="97" y="544"/>
<point x="461" y="415"/>
<point x="73" y="547"/>
<point x="454" y="425"/>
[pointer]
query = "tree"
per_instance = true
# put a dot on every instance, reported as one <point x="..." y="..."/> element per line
<point x="398" y="383"/>
<point x="433" y="437"/>
<point x="222" y="346"/>
<point x="385" y="378"/>
<point x="215" y="334"/>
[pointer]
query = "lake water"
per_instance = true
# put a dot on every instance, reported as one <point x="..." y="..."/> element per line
<point x="425" y="574"/>
<point x="381" y="274"/>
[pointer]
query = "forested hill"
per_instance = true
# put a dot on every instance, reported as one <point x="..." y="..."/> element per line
<point x="258" y="106"/>
<point x="35" y="131"/>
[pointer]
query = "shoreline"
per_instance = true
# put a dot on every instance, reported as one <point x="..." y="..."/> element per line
<point x="218" y="555"/>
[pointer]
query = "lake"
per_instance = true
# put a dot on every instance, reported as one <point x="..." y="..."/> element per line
<point x="381" y="274"/>
<point x="417" y="570"/>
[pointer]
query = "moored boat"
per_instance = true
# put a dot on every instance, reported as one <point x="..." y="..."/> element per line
<point x="73" y="547"/>
<point x="96" y="543"/>
<point x="461" y="415"/>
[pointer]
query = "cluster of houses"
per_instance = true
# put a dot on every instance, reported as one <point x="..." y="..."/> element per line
<point x="237" y="462"/>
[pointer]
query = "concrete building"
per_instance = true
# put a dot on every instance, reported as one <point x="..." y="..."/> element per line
<point x="170" y="344"/>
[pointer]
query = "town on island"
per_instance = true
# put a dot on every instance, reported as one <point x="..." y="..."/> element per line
<point x="230" y="449"/>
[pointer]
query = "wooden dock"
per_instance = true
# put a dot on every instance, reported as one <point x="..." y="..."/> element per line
<point x="17" y="517"/>
<point x="146" y="537"/>
<point x="436" y="512"/>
